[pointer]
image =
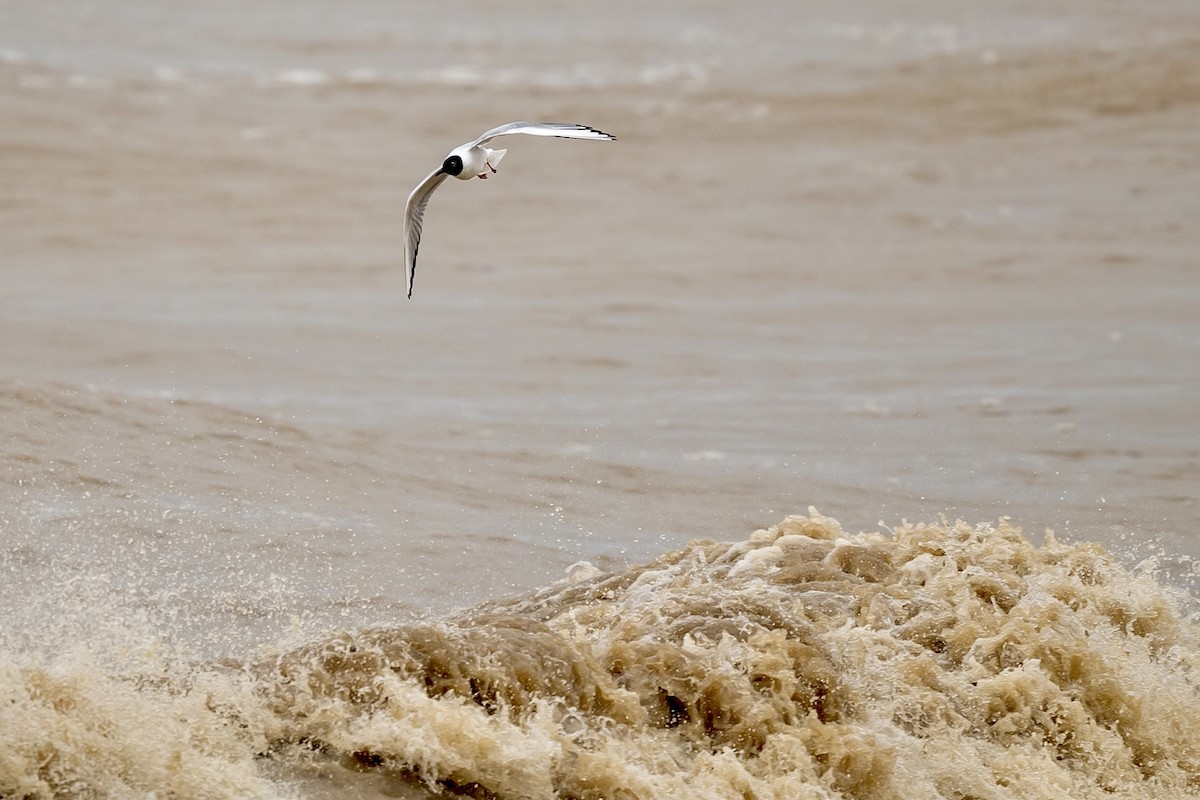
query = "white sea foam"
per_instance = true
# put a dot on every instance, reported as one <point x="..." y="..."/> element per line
<point x="801" y="661"/>
<point x="303" y="77"/>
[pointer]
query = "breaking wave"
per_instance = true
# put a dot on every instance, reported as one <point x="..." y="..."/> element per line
<point x="939" y="661"/>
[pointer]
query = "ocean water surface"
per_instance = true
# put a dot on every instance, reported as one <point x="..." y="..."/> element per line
<point x="269" y="529"/>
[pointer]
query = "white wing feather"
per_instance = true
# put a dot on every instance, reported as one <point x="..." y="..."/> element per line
<point x="563" y="130"/>
<point x="414" y="215"/>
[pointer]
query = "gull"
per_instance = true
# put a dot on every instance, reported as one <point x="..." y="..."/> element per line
<point x="473" y="160"/>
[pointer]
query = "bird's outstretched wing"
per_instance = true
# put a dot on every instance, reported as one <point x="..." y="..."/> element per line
<point x="414" y="215"/>
<point x="563" y="130"/>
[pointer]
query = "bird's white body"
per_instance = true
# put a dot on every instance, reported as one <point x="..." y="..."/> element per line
<point x="473" y="160"/>
<point x="477" y="161"/>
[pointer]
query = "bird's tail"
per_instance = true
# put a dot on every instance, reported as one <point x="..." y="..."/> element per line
<point x="494" y="156"/>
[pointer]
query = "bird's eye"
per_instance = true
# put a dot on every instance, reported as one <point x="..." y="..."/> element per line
<point x="452" y="165"/>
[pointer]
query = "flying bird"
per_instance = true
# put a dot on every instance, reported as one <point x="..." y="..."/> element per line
<point x="473" y="160"/>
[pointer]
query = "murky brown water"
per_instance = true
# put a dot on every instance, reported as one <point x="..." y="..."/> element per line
<point x="895" y="263"/>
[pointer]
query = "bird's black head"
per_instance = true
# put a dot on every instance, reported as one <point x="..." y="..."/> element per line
<point x="452" y="166"/>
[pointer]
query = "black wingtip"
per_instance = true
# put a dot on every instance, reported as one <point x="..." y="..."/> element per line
<point x="576" y="126"/>
<point x="611" y="138"/>
<point x="412" y="270"/>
